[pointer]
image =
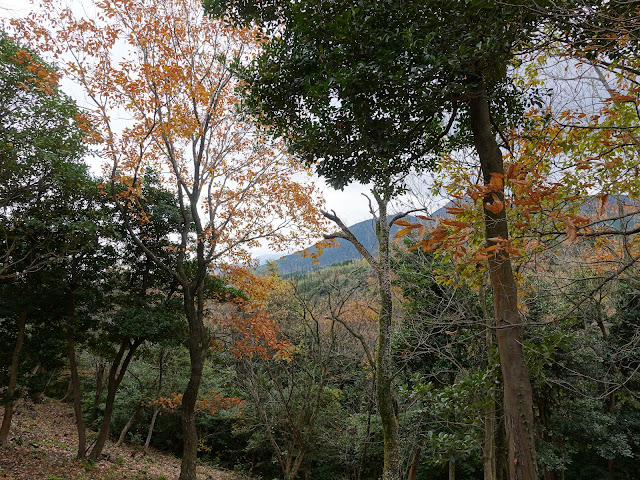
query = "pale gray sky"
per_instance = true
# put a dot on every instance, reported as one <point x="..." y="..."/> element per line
<point x="349" y="204"/>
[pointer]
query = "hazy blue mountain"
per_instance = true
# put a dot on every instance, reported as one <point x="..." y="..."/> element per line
<point x="364" y="232"/>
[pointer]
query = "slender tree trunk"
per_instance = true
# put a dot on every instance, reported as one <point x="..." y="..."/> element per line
<point x="383" y="374"/>
<point x="543" y="415"/>
<point x="99" y="388"/>
<point x="518" y="399"/>
<point x="415" y="462"/>
<point x="115" y="378"/>
<point x="197" y="346"/>
<point x="67" y="395"/>
<point x="489" y="448"/>
<point x="77" y="394"/>
<point x="156" y="411"/>
<point x="128" y="426"/>
<point x="13" y="381"/>
<point x="73" y="364"/>
<point x="501" y="452"/>
<point x="383" y="353"/>
<point x="365" y="445"/>
<point x="452" y="469"/>
<point x="156" y="408"/>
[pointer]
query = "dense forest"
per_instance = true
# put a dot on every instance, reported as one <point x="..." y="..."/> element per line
<point x="149" y="147"/>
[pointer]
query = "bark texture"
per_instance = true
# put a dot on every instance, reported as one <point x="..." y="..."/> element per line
<point x="13" y="381"/>
<point x="194" y="308"/>
<point x="77" y="394"/>
<point x="383" y="373"/>
<point x="518" y="400"/>
<point x="116" y="374"/>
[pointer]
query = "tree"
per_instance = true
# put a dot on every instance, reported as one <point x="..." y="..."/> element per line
<point x="41" y="142"/>
<point x="377" y="72"/>
<point x="176" y="86"/>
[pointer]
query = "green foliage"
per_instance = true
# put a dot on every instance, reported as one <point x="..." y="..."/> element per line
<point x="366" y="91"/>
<point x="41" y="143"/>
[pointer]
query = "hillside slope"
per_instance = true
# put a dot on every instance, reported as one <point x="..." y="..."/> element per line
<point x="44" y="441"/>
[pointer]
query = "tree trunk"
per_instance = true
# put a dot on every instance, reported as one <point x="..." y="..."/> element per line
<point x="197" y="346"/>
<point x="13" y="381"/>
<point x="99" y="388"/>
<point x="452" y="469"/>
<point x="156" y="410"/>
<point x="518" y="400"/>
<point x="383" y="374"/>
<point x="489" y="447"/>
<point x="128" y="426"/>
<point x="67" y="395"/>
<point x="77" y="394"/>
<point x="115" y="378"/>
<point x="415" y="462"/>
<point x="383" y="353"/>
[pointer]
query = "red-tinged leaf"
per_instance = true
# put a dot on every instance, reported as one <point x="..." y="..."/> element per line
<point x="403" y="223"/>
<point x="622" y="98"/>
<point x="512" y="250"/>
<point x="578" y="219"/>
<point x="512" y="169"/>
<point x="603" y="202"/>
<point x="496" y="181"/>
<point x="480" y="257"/>
<point x="497" y="240"/>
<point x="496" y="206"/>
<point x="423" y="217"/>
<point x="492" y="248"/>
<point x="454" y="223"/>
<point x="456" y="210"/>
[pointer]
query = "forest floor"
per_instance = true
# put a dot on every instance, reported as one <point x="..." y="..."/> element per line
<point x="43" y="443"/>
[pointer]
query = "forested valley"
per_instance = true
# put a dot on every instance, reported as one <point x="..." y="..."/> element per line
<point x="483" y="322"/>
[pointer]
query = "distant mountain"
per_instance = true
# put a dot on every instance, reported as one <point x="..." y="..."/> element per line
<point x="363" y="231"/>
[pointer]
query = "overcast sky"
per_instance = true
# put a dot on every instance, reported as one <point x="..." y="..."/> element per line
<point x="349" y="204"/>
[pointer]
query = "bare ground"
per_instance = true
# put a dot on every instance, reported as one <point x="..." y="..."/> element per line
<point x="44" y="442"/>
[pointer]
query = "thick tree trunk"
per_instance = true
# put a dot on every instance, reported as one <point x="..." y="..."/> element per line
<point x="197" y="346"/>
<point x="13" y="381"/>
<point x="518" y="400"/>
<point x="77" y="394"/>
<point x="115" y="378"/>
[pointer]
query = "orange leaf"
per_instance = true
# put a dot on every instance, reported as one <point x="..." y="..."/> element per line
<point x="403" y="232"/>
<point x="496" y="206"/>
